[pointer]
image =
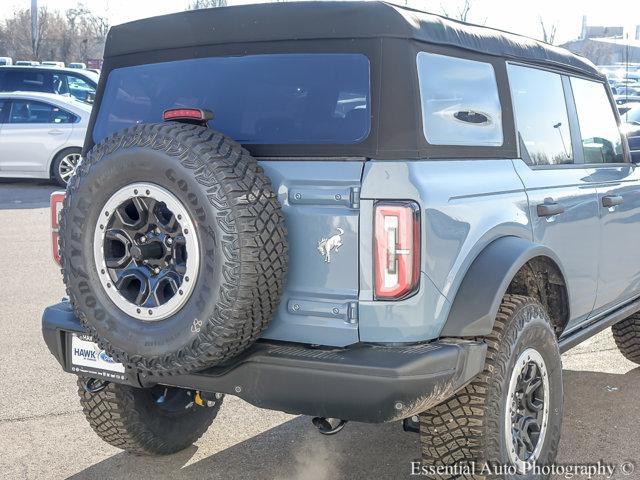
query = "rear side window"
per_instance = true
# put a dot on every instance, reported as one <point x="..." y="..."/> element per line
<point x="73" y="85"/>
<point x="29" y="111"/>
<point x="460" y="103"/>
<point x="256" y="99"/>
<point x="541" y="116"/>
<point x="26" y="81"/>
<point x="601" y="140"/>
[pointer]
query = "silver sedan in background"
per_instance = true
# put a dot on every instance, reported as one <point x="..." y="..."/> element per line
<point x="41" y="135"/>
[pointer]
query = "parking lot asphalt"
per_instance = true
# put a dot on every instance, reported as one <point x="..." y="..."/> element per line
<point x="43" y="433"/>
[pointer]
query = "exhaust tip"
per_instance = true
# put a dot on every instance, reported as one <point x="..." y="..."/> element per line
<point x="328" y="426"/>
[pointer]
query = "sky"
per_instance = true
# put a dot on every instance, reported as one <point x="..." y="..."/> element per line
<point x="520" y="16"/>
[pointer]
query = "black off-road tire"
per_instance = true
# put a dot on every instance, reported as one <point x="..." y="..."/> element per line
<point x="469" y="428"/>
<point x="129" y="418"/>
<point x="240" y="228"/>
<point x="627" y="336"/>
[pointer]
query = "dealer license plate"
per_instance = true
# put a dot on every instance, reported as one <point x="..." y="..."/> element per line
<point x="86" y="357"/>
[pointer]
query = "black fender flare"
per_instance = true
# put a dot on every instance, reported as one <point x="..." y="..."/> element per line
<point x="478" y="298"/>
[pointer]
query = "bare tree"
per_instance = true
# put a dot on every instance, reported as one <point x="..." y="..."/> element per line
<point x="462" y="12"/>
<point x="548" y="32"/>
<point x="20" y="39"/>
<point x="198" y="4"/>
<point x="77" y="35"/>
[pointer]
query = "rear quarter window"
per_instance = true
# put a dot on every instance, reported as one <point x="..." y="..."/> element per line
<point x="460" y="102"/>
<point x="26" y="81"/>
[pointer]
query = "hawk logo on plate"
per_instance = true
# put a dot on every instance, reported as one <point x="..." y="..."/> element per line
<point x="325" y="245"/>
<point x="86" y="353"/>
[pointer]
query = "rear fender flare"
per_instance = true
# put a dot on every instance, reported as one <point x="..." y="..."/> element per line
<point x="476" y="302"/>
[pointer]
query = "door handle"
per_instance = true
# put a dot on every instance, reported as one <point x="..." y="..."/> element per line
<point x="55" y="132"/>
<point x="612" y="200"/>
<point x="549" y="209"/>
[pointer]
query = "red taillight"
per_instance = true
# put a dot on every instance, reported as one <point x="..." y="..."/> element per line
<point x="57" y="198"/>
<point x="396" y="249"/>
<point x="178" y="114"/>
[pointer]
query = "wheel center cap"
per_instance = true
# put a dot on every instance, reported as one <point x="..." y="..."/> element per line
<point x="149" y="251"/>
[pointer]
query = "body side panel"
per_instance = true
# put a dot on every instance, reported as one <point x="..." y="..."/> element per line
<point x="574" y="234"/>
<point x="619" y="273"/>
<point x="465" y="205"/>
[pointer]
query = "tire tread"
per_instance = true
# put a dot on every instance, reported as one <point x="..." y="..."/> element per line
<point x="254" y="243"/>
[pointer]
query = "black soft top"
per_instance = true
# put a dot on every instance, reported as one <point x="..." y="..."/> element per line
<point x="329" y="20"/>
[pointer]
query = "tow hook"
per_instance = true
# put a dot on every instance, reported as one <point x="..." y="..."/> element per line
<point x="93" y="385"/>
<point x="328" y="426"/>
<point x="411" y="424"/>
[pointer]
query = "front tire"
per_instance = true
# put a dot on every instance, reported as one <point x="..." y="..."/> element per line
<point x="143" y="422"/>
<point x="627" y="336"/>
<point x="511" y="414"/>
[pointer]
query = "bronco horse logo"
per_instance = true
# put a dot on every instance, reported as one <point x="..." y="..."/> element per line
<point x="325" y="245"/>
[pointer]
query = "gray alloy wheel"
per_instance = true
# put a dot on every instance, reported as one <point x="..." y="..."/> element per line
<point x="66" y="166"/>
<point x="146" y="251"/>
<point x="527" y="412"/>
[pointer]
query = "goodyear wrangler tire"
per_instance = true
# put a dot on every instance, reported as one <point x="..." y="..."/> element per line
<point x="627" y="336"/>
<point x="508" y="419"/>
<point x="156" y="421"/>
<point x="173" y="247"/>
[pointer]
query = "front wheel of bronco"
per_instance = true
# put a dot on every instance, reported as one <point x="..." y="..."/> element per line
<point x="627" y="336"/>
<point x="146" y="421"/>
<point x="508" y="420"/>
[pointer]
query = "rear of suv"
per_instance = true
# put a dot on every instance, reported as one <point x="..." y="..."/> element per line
<point x="353" y="211"/>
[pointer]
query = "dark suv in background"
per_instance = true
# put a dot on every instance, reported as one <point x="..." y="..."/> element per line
<point x="80" y="84"/>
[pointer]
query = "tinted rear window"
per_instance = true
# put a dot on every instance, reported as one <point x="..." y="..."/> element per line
<point x="256" y="99"/>
<point x="25" y="81"/>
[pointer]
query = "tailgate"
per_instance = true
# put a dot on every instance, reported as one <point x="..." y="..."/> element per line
<point x="320" y="201"/>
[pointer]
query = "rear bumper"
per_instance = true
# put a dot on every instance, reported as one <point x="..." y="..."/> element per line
<point x="367" y="383"/>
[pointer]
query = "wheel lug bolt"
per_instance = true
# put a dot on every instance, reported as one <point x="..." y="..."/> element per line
<point x="169" y="241"/>
<point x="143" y="239"/>
<point x="156" y="270"/>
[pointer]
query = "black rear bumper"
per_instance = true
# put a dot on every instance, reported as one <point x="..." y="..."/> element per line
<point x="366" y="383"/>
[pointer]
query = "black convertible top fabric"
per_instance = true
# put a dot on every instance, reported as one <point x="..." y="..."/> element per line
<point x="329" y="20"/>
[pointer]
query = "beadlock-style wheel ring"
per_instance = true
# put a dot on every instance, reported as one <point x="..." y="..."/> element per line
<point x="146" y="251"/>
<point x="527" y="410"/>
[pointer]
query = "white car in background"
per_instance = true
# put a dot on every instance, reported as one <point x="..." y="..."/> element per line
<point x="41" y="135"/>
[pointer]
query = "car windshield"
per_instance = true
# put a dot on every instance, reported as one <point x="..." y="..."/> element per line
<point x="256" y="99"/>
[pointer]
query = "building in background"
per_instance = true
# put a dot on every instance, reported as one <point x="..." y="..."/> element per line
<point x="606" y="45"/>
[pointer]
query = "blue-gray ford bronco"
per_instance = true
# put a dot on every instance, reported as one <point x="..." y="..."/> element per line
<point x="352" y="211"/>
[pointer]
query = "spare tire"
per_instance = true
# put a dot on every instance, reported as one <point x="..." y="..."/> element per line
<point x="173" y="247"/>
